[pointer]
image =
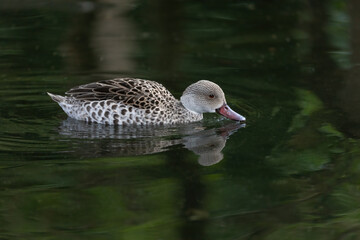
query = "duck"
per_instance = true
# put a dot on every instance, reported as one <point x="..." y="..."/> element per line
<point x="126" y="101"/>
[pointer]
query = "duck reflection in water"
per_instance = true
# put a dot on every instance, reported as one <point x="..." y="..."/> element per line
<point x="98" y="140"/>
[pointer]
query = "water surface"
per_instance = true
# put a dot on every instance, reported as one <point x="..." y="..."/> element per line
<point x="291" y="173"/>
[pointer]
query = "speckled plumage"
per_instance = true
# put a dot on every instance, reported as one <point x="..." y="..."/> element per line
<point x="124" y="101"/>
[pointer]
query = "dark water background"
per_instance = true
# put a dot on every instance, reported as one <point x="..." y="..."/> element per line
<point x="293" y="172"/>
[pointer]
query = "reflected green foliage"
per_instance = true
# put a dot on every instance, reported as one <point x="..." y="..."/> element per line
<point x="292" y="173"/>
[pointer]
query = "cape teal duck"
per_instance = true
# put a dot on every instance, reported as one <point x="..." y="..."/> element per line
<point x="125" y="101"/>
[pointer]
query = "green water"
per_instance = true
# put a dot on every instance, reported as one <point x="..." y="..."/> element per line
<point x="291" y="69"/>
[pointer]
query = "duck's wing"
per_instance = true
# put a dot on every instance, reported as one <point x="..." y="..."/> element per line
<point x="140" y="93"/>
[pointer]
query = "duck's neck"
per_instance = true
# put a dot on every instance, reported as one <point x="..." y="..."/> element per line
<point x="187" y="115"/>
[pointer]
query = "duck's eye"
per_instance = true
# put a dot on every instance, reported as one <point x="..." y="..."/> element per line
<point x="211" y="96"/>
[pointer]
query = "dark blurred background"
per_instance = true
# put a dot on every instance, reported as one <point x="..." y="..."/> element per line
<point x="291" y="67"/>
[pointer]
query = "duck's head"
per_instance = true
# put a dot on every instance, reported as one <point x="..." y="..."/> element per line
<point x="205" y="96"/>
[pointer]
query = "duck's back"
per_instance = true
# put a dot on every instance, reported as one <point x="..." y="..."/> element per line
<point x="139" y="93"/>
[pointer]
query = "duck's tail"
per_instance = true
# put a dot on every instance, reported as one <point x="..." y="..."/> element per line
<point x="56" y="98"/>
